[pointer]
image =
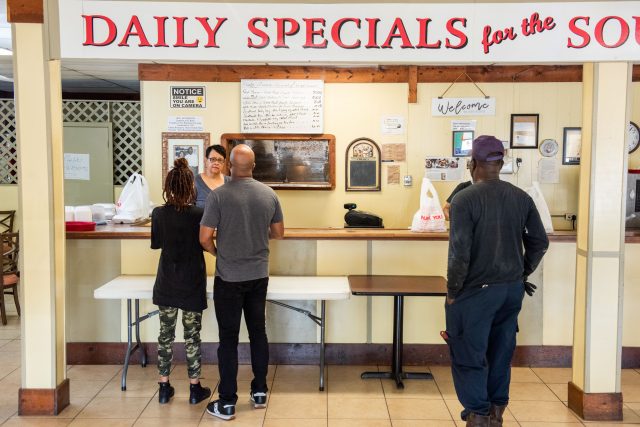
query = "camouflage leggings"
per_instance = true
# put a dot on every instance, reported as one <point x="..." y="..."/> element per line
<point x="192" y="323"/>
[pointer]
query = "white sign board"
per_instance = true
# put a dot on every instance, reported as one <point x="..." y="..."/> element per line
<point x="445" y="107"/>
<point x="187" y="97"/>
<point x="392" y="125"/>
<point x="281" y="106"/>
<point x="461" y="125"/>
<point x="401" y="33"/>
<point x="185" y="124"/>
<point x="76" y="166"/>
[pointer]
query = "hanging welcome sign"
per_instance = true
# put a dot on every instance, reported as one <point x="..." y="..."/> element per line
<point x="441" y="107"/>
<point x="351" y="33"/>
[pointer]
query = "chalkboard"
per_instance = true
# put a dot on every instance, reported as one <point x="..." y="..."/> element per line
<point x="362" y="165"/>
<point x="290" y="161"/>
<point x="281" y="106"/>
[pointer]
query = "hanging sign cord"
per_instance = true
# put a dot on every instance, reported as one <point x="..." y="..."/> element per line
<point x="456" y="80"/>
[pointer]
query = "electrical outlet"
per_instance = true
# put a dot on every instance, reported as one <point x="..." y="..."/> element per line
<point x="408" y="180"/>
<point x="570" y="217"/>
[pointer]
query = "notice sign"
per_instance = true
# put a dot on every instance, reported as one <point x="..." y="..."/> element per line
<point x="187" y="97"/>
<point x="76" y="166"/>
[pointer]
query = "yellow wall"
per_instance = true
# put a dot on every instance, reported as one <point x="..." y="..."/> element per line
<point x="355" y="110"/>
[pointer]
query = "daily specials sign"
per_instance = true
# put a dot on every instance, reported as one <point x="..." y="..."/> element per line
<point x="351" y="33"/>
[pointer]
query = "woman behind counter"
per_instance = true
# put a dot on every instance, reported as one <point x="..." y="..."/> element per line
<point x="212" y="177"/>
<point x="181" y="281"/>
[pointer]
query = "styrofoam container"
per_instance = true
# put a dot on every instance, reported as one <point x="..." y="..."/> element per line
<point x="83" y="214"/>
<point x="109" y="209"/>
<point x="69" y="213"/>
<point x="98" y="213"/>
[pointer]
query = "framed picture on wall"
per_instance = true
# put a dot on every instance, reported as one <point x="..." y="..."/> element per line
<point x="462" y="140"/>
<point x="524" y="130"/>
<point x="190" y="145"/>
<point x="362" y="165"/>
<point x="571" y="146"/>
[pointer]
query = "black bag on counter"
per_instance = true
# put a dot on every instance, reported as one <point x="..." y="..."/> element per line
<point x="359" y="219"/>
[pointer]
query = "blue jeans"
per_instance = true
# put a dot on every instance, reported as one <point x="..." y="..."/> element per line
<point x="482" y="325"/>
<point x="230" y="299"/>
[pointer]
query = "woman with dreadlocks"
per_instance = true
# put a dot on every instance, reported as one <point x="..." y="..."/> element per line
<point x="181" y="280"/>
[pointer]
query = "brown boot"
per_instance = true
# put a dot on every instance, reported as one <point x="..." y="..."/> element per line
<point x="475" y="420"/>
<point x="495" y="412"/>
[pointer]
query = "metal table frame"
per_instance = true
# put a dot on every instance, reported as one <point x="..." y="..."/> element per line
<point x="131" y="348"/>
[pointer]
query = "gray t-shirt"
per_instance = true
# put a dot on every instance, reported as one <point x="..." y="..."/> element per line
<point x="242" y="211"/>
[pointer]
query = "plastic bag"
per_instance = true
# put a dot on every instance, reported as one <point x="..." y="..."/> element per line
<point x="536" y="194"/>
<point x="133" y="202"/>
<point x="430" y="216"/>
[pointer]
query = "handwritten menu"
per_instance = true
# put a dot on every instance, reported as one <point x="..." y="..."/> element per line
<point x="282" y="106"/>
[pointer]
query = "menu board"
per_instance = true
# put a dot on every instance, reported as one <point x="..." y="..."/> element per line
<point x="282" y="106"/>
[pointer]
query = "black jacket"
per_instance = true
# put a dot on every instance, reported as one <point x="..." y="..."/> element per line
<point x="496" y="236"/>
<point x="181" y="281"/>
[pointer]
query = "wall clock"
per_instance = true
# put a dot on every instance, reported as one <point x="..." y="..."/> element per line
<point x="549" y="147"/>
<point x="634" y="137"/>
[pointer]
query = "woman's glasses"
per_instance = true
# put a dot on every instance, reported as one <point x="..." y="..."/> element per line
<point x="218" y="160"/>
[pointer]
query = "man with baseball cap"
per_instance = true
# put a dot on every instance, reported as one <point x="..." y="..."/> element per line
<point x="496" y="240"/>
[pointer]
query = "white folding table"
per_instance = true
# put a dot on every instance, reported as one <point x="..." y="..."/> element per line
<point x="281" y="288"/>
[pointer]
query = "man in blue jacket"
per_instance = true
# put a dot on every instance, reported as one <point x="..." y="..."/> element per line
<point x="496" y="241"/>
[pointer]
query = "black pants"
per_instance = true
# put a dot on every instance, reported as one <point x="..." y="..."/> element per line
<point x="482" y="325"/>
<point x="230" y="300"/>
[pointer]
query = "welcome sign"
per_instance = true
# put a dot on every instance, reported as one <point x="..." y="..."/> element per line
<point x="351" y="33"/>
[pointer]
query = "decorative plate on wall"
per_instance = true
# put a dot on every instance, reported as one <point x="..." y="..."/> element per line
<point x="549" y="148"/>
<point x="634" y="137"/>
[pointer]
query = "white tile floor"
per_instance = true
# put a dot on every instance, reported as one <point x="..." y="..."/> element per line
<point x="538" y="397"/>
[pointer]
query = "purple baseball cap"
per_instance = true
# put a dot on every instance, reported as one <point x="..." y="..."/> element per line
<point x="487" y="148"/>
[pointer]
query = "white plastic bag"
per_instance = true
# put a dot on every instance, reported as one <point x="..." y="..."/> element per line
<point x="430" y="216"/>
<point x="536" y="194"/>
<point x="133" y="202"/>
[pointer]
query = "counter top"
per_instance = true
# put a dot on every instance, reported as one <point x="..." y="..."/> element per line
<point x="128" y="232"/>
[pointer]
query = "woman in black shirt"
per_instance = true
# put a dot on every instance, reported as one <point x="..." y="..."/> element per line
<point x="181" y="281"/>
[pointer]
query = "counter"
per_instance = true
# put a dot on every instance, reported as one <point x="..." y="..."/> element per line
<point x="126" y="232"/>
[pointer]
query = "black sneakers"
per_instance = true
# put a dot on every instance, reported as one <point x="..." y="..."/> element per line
<point x="220" y="410"/>
<point x="166" y="392"/>
<point x="259" y="399"/>
<point x="197" y="393"/>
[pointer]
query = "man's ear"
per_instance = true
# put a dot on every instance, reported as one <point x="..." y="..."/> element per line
<point x="253" y="166"/>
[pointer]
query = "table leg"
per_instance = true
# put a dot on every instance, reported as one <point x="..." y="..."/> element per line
<point x="396" y="373"/>
<point x="123" y="385"/>
<point x="322" y="347"/>
<point x="143" y="358"/>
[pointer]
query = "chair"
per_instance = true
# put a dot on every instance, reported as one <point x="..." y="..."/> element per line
<point x="6" y="221"/>
<point x="10" y="278"/>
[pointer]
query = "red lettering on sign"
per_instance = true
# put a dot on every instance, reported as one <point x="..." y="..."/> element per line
<point x="599" y="33"/>
<point x="398" y="31"/>
<point x="456" y="33"/>
<point x="88" y="30"/>
<point x="180" y="20"/>
<point x="497" y="37"/>
<point x="254" y="30"/>
<point x="336" y="28"/>
<point x="373" y="33"/>
<point x="586" y="38"/>
<point x="211" y="32"/>
<point x="312" y="32"/>
<point x="282" y="32"/>
<point x="424" y="34"/>
<point x="160" y="22"/>
<point x="134" y="29"/>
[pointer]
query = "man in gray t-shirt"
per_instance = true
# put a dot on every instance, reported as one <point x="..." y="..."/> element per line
<point x="245" y="214"/>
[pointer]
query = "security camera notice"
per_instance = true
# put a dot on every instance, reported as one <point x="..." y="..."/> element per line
<point x="187" y="97"/>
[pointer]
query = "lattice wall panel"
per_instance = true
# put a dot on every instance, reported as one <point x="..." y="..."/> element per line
<point x="127" y="140"/>
<point x="126" y="126"/>
<point x="8" y="148"/>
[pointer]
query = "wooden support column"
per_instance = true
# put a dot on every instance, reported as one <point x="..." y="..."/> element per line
<point x="413" y="84"/>
<point x="38" y="108"/>
<point x="594" y="392"/>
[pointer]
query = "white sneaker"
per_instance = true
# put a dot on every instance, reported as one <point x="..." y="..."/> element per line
<point x="225" y="412"/>
<point x="258" y="399"/>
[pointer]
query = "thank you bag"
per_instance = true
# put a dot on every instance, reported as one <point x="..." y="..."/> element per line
<point x="133" y="202"/>
<point x="430" y="216"/>
<point x="536" y="194"/>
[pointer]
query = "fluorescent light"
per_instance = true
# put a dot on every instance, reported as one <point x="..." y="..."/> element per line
<point x="5" y="78"/>
<point x="5" y="52"/>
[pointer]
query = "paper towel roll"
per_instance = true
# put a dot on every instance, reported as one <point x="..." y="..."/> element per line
<point x="83" y="213"/>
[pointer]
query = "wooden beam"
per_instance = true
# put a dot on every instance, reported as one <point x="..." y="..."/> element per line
<point x="25" y="11"/>
<point x="413" y="84"/>
<point x="381" y="74"/>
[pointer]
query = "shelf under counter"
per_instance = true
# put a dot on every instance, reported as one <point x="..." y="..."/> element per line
<point x="129" y="232"/>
